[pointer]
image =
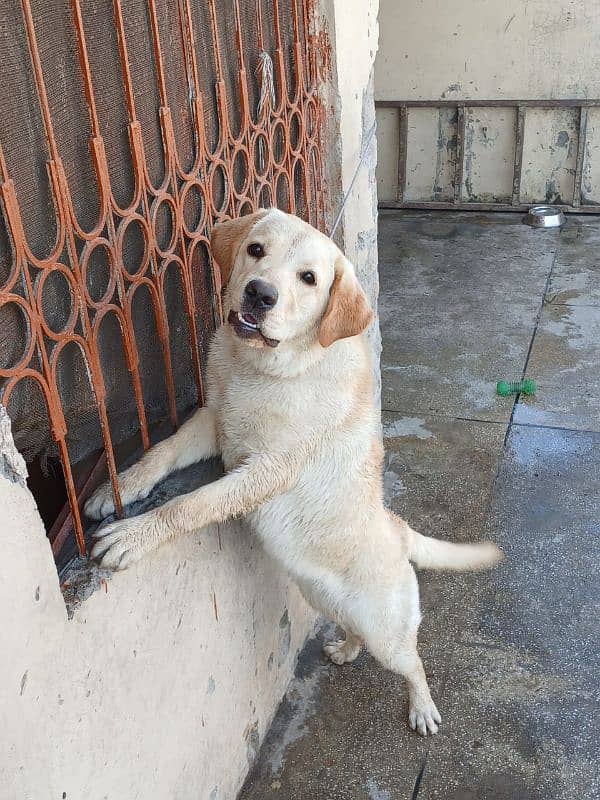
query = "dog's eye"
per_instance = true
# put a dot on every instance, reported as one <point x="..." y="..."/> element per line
<point x="308" y="278"/>
<point x="256" y="250"/>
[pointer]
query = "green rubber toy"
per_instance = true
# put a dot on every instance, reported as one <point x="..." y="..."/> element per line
<point x="506" y="388"/>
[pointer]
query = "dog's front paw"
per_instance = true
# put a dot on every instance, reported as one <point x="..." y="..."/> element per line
<point x="101" y="504"/>
<point x="424" y="718"/>
<point x="132" y="487"/>
<point x="123" y="542"/>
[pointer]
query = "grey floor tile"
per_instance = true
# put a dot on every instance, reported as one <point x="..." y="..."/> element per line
<point x="564" y="362"/>
<point x="576" y="273"/>
<point x="439" y="473"/>
<point x="522" y="692"/>
<point x="458" y="303"/>
<point x="440" y="476"/>
<point x="341" y="734"/>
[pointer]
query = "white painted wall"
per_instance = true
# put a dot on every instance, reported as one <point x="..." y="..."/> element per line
<point x="355" y="30"/>
<point x="482" y="49"/>
<point x="518" y="49"/>
<point x="163" y="684"/>
<point x="160" y="687"/>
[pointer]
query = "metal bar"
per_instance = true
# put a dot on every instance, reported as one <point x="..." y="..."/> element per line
<point x="306" y="23"/>
<point x="298" y="62"/>
<point x="85" y="67"/>
<point x="466" y="206"/>
<point x="402" y="152"/>
<point x="279" y="63"/>
<point x="39" y="79"/>
<point x="460" y="154"/>
<point x="583" y="118"/>
<point x="91" y="355"/>
<point x="518" y="161"/>
<point x="214" y="29"/>
<point x="276" y="25"/>
<point x="445" y="205"/>
<point x="64" y="525"/>
<point x="487" y="103"/>
<point x="124" y="56"/>
<point x="160" y="312"/>
<point x="312" y="43"/>
<point x="170" y="151"/>
<point x="104" y="188"/>
<point x="189" y="46"/>
<point x="245" y="116"/>
<point x="259" y="26"/>
<point x="93" y="360"/>
<point x="45" y="379"/>
<point x="158" y="59"/>
<point x="521" y="105"/>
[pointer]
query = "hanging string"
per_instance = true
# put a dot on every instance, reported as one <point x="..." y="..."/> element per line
<point x="356" y="171"/>
<point x="266" y="100"/>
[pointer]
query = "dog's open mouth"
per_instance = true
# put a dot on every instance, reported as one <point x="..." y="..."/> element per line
<point x="246" y="326"/>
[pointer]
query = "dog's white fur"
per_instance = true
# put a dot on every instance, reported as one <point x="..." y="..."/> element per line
<point x="298" y="433"/>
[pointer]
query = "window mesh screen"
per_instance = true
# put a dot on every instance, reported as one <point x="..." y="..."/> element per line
<point x="128" y="128"/>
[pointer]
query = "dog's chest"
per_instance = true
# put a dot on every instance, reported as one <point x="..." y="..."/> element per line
<point x="255" y="414"/>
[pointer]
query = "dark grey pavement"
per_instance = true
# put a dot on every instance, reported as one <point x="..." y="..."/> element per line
<point x="513" y="656"/>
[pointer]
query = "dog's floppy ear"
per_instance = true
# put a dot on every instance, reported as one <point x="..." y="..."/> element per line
<point x="349" y="311"/>
<point x="225" y="240"/>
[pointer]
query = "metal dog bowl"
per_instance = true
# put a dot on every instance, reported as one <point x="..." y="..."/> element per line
<point x="545" y="217"/>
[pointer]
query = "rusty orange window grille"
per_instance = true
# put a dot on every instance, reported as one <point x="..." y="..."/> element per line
<point x="128" y="128"/>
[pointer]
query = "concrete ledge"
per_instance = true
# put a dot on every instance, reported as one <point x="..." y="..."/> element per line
<point x="161" y="685"/>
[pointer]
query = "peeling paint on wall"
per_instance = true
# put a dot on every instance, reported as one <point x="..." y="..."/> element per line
<point x="590" y="183"/>
<point x="252" y="739"/>
<point x="406" y="426"/>
<point x="375" y="792"/>
<point x="446" y="155"/>
<point x="285" y="636"/>
<point x="489" y="154"/>
<point x="12" y="464"/>
<point x="549" y="155"/>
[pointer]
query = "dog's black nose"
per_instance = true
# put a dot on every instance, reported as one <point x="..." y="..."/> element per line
<point x="261" y="294"/>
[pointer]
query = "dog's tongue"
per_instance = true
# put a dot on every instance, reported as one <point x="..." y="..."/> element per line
<point x="250" y="319"/>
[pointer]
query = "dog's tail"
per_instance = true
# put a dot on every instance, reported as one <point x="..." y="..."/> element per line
<point x="429" y="553"/>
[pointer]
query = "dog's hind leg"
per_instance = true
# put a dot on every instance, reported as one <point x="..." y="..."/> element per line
<point x="392" y="640"/>
<point x="344" y="650"/>
<point x="401" y="656"/>
<point x="340" y="651"/>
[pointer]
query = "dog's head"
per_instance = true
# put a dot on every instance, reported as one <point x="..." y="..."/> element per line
<point x="286" y="282"/>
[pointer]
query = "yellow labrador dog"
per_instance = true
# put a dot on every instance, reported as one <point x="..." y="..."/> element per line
<point x="289" y="408"/>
